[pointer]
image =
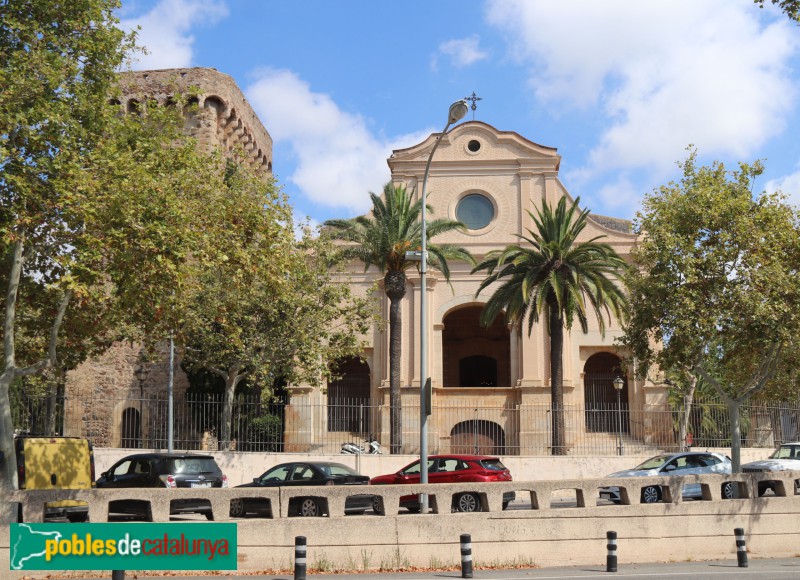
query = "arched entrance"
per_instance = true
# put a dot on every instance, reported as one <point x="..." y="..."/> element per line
<point x="348" y="397"/>
<point x="472" y="355"/>
<point x="478" y="437"/>
<point x="603" y="413"/>
<point x="131" y="435"/>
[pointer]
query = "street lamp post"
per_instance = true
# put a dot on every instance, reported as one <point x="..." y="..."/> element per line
<point x="618" y="383"/>
<point x="141" y="373"/>
<point x="456" y="113"/>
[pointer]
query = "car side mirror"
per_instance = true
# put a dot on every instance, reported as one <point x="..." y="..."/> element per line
<point x="256" y="480"/>
<point x="670" y="468"/>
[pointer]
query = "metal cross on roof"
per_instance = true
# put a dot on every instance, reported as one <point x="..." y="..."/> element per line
<point x="474" y="98"/>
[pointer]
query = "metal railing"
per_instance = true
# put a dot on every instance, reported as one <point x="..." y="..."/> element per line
<point x="308" y="426"/>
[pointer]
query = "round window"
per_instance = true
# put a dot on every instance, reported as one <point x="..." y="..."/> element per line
<point x="475" y="211"/>
<point x="474" y="145"/>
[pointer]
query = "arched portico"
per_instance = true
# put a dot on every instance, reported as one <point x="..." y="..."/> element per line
<point x="474" y="355"/>
<point x="603" y="414"/>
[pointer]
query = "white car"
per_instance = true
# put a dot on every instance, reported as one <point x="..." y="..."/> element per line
<point x="667" y="464"/>
<point x="784" y="458"/>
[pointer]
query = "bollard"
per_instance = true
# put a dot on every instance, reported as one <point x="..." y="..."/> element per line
<point x="300" y="558"/>
<point x="117" y="574"/>
<point x="741" y="548"/>
<point x="611" y="558"/>
<point x="466" y="556"/>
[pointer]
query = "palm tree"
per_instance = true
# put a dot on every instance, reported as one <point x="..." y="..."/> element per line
<point x="556" y="276"/>
<point x="382" y="240"/>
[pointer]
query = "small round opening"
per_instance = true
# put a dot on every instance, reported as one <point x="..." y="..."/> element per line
<point x="474" y="145"/>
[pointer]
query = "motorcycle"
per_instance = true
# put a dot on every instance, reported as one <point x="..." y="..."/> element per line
<point x="373" y="448"/>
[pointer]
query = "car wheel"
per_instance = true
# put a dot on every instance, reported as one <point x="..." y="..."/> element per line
<point x="237" y="508"/>
<point x="468" y="502"/>
<point x="651" y="494"/>
<point x="377" y="504"/>
<point x="728" y="490"/>
<point x="413" y="510"/>
<point x="309" y="508"/>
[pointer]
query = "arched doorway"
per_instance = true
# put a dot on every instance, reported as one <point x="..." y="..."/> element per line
<point x="603" y="413"/>
<point x="478" y="437"/>
<point x="473" y="355"/>
<point x="131" y="435"/>
<point x="348" y="397"/>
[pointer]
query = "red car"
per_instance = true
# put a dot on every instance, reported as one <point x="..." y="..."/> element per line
<point x="450" y="469"/>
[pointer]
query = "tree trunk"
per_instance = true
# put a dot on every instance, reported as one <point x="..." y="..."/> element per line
<point x="556" y="380"/>
<point x="736" y="435"/>
<point x="688" y="399"/>
<point x="395" y="287"/>
<point x="231" y="380"/>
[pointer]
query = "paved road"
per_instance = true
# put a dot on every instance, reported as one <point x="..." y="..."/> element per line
<point x="778" y="569"/>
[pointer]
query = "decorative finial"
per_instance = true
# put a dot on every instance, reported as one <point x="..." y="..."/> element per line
<point x="474" y="98"/>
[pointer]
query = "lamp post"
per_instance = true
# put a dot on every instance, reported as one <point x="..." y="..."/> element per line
<point x="141" y="373"/>
<point x="618" y="383"/>
<point x="456" y="113"/>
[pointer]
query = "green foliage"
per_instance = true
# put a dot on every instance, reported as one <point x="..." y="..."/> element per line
<point x="553" y="271"/>
<point x="789" y="7"/>
<point x="394" y="228"/>
<point x="267" y="430"/>
<point x="716" y="285"/>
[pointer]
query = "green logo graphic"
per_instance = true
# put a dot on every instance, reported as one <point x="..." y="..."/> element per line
<point x="129" y="546"/>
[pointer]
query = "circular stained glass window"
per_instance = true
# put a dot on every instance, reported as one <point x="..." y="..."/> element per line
<point x="475" y="211"/>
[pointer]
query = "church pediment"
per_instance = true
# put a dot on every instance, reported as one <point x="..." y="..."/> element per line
<point x="480" y="145"/>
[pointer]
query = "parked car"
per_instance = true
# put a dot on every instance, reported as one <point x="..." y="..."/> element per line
<point x="56" y="463"/>
<point x="784" y="458"/>
<point x="451" y="469"/>
<point x="687" y="463"/>
<point x="163" y="470"/>
<point x="303" y="474"/>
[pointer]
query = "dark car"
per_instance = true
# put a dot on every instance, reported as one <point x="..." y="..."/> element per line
<point x="163" y="470"/>
<point x="451" y="469"/>
<point x="302" y="474"/>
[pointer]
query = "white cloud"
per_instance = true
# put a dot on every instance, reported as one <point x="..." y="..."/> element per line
<point x="338" y="160"/>
<point x="462" y="51"/>
<point x="666" y="74"/>
<point x="789" y="185"/>
<point x="165" y="31"/>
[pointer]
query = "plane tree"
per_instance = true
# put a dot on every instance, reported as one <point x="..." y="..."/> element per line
<point x="105" y="218"/>
<point x="272" y="311"/>
<point x="715" y="293"/>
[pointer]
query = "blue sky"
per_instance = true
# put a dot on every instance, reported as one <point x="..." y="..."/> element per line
<point x="619" y="87"/>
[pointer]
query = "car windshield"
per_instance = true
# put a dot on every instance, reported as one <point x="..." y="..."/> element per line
<point x="193" y="465"/>
<point x="654" y="462"/>
<point x="492" y="464"/>
<point x="786" y="452"/>
<point x="337" y="470"/>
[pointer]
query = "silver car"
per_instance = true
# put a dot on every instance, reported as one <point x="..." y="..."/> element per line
<point x="687" y="463"/>
<point x="784" y="458"/>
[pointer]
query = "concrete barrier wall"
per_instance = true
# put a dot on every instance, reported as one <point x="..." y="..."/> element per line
<point x="677" y="530"/>
<point x="242" y="467"/>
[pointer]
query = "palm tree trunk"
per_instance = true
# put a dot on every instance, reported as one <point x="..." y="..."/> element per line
<point x="394" y="283"/>
<point x="556" y="381"/>
<point x="395" y="416"/>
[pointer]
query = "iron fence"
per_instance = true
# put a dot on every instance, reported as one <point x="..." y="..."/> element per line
<point x="307" y="425"/>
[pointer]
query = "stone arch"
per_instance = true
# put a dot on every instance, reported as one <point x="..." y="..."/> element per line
<point x="131" y="428"/>
<point x="478" y="437"/>
<point x="349" y="397"/>
<point x="474" y="356"/>
<point x="215" y="103"/>
<point x="600" y="396"/>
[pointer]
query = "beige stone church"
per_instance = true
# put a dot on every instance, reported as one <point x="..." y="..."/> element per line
<point x="491" y="387"/>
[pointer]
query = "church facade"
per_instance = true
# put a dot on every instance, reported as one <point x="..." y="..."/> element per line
<point x="490" y="386"/>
